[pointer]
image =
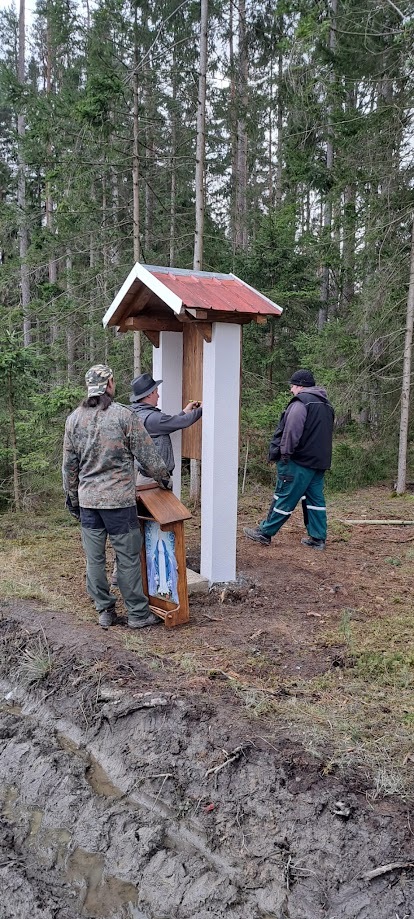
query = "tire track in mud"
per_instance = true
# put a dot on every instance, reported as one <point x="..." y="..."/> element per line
<point x="32" y="819"/>
<point x="86" y="835"/>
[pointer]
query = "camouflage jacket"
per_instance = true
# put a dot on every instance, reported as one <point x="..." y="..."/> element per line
<point x="98" y="456"/>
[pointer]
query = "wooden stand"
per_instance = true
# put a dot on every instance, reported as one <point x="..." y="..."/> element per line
<point x="156" y="506"/>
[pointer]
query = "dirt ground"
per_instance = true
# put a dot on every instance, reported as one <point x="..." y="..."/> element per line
<point x="245" y="765"/>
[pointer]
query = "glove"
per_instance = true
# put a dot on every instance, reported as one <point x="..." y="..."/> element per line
<point x="73" y="509"/>
<point x="284" y="458"/>
<point x="167" y="484"/>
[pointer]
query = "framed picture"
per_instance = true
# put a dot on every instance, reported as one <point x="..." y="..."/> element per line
<point x="161" y="562"/>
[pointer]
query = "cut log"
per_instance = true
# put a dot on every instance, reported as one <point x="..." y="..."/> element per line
<point x="377" y="523"/>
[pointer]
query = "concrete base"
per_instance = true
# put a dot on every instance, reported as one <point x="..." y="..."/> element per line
<point x="196" y="583"/>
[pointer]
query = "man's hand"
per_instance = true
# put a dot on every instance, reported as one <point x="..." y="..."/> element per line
<point x="73" y="509"/>
<point x="284" y="458"/>
<point x="192" y="405"/>
<point x="167" y="484"/>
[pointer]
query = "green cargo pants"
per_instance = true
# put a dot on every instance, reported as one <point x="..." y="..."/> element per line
<point x="293" y="483"/>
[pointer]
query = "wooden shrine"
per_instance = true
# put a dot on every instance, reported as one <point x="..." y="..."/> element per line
<point x="163" y="562"/>
<point x="194" y="321"/>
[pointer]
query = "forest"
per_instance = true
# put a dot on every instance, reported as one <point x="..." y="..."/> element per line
<point x="271" y="140"/>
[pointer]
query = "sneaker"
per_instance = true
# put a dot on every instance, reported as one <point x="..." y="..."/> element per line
<point x="108" y="617"/>
<point x="142" y="623"/>
<point x="256" y="535"/>
<point x="314" y="543"/>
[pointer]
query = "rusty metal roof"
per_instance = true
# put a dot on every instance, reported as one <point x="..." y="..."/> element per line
<point x="181" y="289"/>
<point x="209" y="291"/>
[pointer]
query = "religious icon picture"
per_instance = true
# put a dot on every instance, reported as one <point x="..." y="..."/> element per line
<point x="162" y="569"/>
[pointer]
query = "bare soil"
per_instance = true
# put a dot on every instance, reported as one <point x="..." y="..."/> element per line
<point x="239" y="766"/>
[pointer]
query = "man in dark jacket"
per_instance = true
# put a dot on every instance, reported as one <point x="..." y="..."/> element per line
<point x="144" y="399"/>
<point x="102" y="439"/>
<point x="302" y="448"/>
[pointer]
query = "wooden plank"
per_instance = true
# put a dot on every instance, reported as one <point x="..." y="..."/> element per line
<point x="153" y="337"/>
<point x="378" y="523"/>
<point x="152" y="324"/>
<point x="196" y="313"/>
<point x="205" y="330"/>
<point x="192" y="386"/>
<point x="162" y="505"/>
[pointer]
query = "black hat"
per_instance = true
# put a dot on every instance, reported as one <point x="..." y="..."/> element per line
<point x="302" y="378"/>
<point x="142" y="386"/>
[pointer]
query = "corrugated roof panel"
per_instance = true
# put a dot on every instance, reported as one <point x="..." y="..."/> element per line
<point x="216" y="293"/>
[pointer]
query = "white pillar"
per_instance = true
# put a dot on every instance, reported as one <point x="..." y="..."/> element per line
<point x="167" y="365"/>
<point x="220" y="452"/>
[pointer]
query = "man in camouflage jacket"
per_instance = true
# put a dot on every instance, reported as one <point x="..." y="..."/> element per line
<point x="102" y="439"/>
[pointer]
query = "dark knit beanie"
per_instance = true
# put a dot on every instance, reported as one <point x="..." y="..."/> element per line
<point x="302" y="378"/>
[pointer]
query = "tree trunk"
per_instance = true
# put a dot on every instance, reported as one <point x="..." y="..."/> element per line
<point x="70" y="330"/>
<point x="21" y="192"/>
<point x="241" y="236"/>
<point x="279" y="167"/>
<point x="49" y="208"/>
<point x="16" y="483"/>
<point x="135" y="189"/>
<point x="327" y="207"/>
<point x="201" y="142"/>
<point x="151" y="119"/>
<point x="406" y="379"/>
<point x="92" y="300"/>
<point x="199" y="189"/>
<point x="173" y="186"/>
<point x="233" y="133"/>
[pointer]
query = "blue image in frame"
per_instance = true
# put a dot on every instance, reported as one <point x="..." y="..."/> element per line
<point x="162" y="568"/>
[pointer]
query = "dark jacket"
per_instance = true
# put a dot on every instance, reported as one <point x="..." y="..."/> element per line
<point x="304" y="431"/>
<point x="160" y="425"/>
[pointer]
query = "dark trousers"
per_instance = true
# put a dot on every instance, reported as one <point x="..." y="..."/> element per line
<point x="293" y="483"/>
<point x="122" y="527"/>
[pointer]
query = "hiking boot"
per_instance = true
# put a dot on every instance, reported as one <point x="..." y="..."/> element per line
<point x="108" y="617"/>
<point x="314" y="543"/>
<point x="256" y="535"/>
<point x="142" y="623"/>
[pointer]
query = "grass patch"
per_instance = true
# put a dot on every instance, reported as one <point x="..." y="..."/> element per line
<point x="364" y="712"/>
<point x="36" y="661"/>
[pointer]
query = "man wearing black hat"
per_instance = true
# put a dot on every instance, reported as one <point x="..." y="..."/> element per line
<point x="302" y="448"/>
<point x="144" y="398"/>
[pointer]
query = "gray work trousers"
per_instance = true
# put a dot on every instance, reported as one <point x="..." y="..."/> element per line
<point x="122" y="528"/>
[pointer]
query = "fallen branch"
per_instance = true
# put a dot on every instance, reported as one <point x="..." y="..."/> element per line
<point x="385" y="869"/>
<point x="234" y="755"/>
<point x="377" y="523"/>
